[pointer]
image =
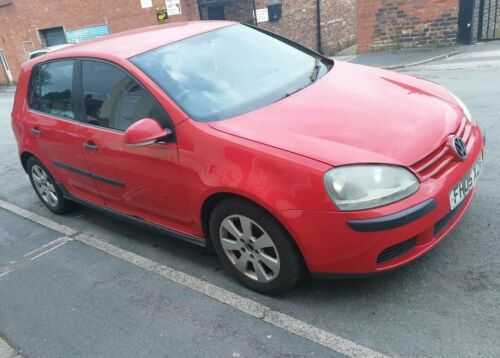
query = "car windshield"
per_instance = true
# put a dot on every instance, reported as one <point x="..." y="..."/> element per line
<point x="230" y="71"/>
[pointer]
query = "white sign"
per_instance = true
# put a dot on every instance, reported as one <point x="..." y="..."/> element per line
<point x="262" y="15"/>
<point x="173" y="7"/>
<point x="146" y="3"/>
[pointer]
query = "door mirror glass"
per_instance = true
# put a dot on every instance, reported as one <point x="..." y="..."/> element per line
<point x="145" y="132"/>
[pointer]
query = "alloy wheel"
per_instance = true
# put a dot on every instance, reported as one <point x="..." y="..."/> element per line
<point x="249" y="248"/>
<point x="44" y="186"/>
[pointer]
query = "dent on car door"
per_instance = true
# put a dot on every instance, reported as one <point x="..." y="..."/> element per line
<point x="52" y="118"/>
<point x="140" y="181"/>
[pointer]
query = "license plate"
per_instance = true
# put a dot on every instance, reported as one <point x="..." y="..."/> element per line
<point x="464" y="187"/>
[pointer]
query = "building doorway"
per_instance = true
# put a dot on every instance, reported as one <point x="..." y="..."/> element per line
<point x="53" y="36"/>
<point x="465" y="22"/>
<point x="216" y="12"/>
<point x="5" y="69"/>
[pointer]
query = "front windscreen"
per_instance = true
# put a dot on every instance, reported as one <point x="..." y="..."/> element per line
<point x="230" y="71"/>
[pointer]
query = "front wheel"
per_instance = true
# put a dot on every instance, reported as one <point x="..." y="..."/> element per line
<point x="46" y="188"/>
<point x="255" y="248"/>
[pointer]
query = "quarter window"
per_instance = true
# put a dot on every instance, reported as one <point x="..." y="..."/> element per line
<point x="113" y="99"/>
<point x="52" y="89"/>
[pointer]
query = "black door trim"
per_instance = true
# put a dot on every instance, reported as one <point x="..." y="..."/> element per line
<point x="194" y="240"/>
<point x="88" y="174"/>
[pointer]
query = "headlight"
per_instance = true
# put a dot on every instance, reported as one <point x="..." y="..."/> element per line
<point x="357" y="187"/>
<point x="462" y="105"/>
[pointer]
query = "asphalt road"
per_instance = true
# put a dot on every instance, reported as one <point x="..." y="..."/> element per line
<point x="78" y="302"/>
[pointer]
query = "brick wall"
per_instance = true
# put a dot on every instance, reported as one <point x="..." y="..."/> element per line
<point x="3" y="77"/>
<point x="338" y="24"/>
<point x="21" y="20"/>
<point x="299" y="21"/>
<point x="384" y="24"/>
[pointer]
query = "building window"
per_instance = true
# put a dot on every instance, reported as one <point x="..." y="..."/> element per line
<point x="53" y="36"/>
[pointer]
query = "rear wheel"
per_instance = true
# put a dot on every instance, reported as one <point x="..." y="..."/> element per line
<point x="254" y="247"/>
<point x="46" y="188"/>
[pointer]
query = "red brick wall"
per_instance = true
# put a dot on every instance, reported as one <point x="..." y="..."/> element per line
<point x="338" y="24"/>
<point x="384" y="24"/>
<point x="21" y="20"/>
<point x="299" y="21"/>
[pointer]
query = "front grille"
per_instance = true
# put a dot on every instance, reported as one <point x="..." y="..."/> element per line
<point x="396" y="250"/>
<point x="441" y="159"/>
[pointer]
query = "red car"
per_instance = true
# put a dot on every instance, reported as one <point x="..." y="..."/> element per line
<point x="232" y="137"/>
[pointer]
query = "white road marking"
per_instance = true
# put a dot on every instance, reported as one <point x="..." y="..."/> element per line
<point x="50" y="243"/>
<point x="52" y="248"/>
<point x="34" y="254"/>
<point x="63" y="229"/>
<point x="242" y="304"/>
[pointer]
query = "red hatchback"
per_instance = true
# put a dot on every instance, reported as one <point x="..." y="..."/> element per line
<point x="232" y="137"/>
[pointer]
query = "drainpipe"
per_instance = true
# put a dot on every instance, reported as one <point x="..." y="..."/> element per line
<point x="318" y="25"/>
<point x="199" y="10"/>
<point x="254" y="17"/>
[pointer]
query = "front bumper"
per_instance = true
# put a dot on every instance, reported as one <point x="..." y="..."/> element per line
<point x="376" y="240"/>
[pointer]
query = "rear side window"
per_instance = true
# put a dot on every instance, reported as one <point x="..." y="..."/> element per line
<point x="113" y="99"/>
<point x="52" y="89"/>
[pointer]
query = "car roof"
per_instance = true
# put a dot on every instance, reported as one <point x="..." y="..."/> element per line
<point x="130" y="43"/>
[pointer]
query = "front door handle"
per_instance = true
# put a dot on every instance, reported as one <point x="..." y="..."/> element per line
<point x="90" y="145"/>
<point x="36" y="131"/>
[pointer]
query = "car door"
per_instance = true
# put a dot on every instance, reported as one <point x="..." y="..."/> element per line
<point x="52" y="123"/>
<point x="140" y="181"/>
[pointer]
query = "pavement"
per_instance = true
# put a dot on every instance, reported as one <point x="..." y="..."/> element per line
<point x="393" y="60"/>
<point x="81" y="299"/>
<point x="404" y="58"/>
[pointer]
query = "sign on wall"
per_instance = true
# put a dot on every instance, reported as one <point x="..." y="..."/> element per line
<point x="86" y="33"/>
<point x="146" y="4"/>
<point x="262" y="15"/>
<point x="173" y="7"/>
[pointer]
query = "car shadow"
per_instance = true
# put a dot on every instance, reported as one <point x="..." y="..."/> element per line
<point x="201" y="262"/>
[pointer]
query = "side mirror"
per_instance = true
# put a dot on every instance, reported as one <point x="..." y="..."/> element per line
<point x="145" y="132"/>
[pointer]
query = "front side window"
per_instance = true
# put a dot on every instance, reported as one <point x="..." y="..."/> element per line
<point x="113" y="99"/>
<point x="230" y="71"/>
<point x="52" y="89"/>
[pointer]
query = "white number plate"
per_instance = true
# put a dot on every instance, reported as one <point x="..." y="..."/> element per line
<point x="460" y="191"/>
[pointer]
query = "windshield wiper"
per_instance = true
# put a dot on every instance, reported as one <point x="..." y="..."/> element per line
<point x="315" y="71"/>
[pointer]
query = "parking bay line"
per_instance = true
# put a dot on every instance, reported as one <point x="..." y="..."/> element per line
<point x="46" y="248"/>
<point x="32" y="255"/>
<point x="240" y="303"/>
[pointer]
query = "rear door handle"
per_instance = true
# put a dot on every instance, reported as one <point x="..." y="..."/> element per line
<point x="36" y="131"/>
<point x="90" y="145"/>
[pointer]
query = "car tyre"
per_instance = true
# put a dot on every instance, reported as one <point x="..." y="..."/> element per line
<point x="46" y="187"/>
<point x="255" y="248"/>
